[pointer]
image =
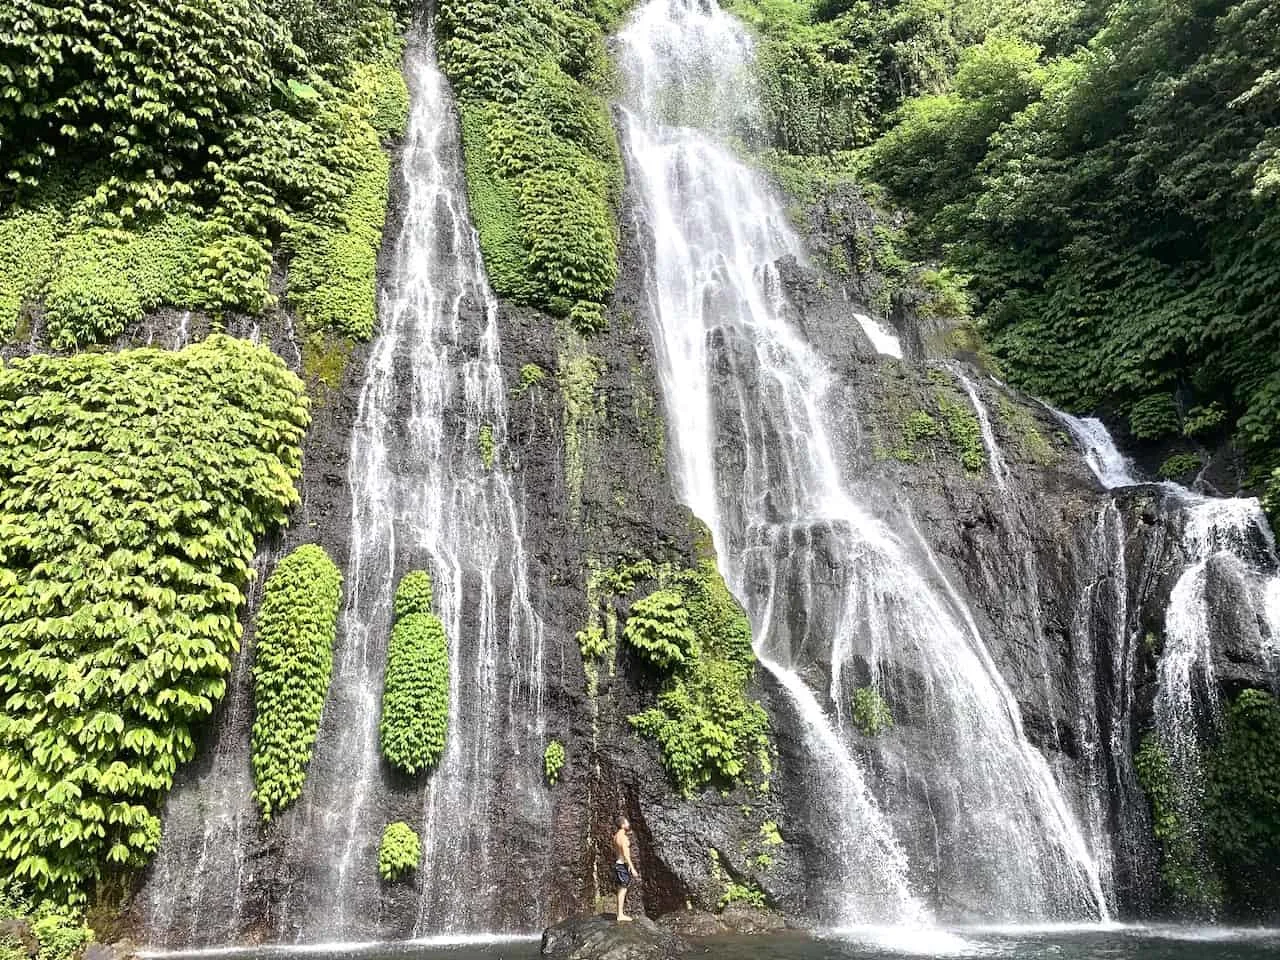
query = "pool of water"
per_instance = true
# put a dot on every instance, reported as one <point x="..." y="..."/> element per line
<point x="862" y="943"/>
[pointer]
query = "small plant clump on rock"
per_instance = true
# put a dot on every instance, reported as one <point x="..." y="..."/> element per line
<point x="553" y="761"/>
<point x="871" y="714"/>
<point x="399" y="853"/>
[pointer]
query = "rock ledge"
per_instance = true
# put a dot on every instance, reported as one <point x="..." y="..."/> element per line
<point x="603" y="938"/>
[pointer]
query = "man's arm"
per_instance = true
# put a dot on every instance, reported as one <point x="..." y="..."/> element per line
<point x="626" y="854"/>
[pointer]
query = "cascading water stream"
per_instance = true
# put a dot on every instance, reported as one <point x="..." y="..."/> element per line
<point x="1225" y="541"/>
<point x="823" y="578"/>
<point x="429" y="490"/>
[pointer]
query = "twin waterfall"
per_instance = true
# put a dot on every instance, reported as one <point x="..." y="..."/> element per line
<point x="428" y="493"/>
<point x="956" y="814"/>
<point x="822" y="574"/>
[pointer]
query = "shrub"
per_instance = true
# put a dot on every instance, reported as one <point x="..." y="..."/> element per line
<point x="919" y="426"/>
<point x="332" y="275"/>
<point x="139" y="85"/>
<point x="1180" y="465"/>
<point x="870" y="712"/>
<point x="132" y="488"/>
<point x="658" y="629"/>
<point x="414" y="594"/>
<point x="1242" y="795"/>
<point x="61" y="935"/>
<point x="415" y="696"/>
<point x="293" y="662"/>
<point x="399" y="852"/>
<point x="965" y="433"/>
<point x="704" y="724"/>
<point x="543" y="165"/>
<point x="28" y="239"/>
<point x="1181" y="864"/>
<point x="553" y="761"/>
<point x="531" y="375"/>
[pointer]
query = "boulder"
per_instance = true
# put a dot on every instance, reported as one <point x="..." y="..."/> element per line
<point x="603" y="938"/>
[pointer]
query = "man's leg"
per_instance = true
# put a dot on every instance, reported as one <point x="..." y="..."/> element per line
<point x="622" y="897"/>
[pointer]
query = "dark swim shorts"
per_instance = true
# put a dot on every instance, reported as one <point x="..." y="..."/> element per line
<point x="622" y="875"/>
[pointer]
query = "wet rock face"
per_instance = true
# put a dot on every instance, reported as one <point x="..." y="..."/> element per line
<point x="603" y="938"/>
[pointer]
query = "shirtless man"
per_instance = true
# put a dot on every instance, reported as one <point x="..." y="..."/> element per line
<point x="624" y="871"/>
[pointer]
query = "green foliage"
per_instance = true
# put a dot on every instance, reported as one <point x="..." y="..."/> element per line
<point x="543" y="165"/>
<point x="485" y="440"/>
<point x="106" y="279"/>
<point x="1110" y="189"/>
<point x="293" y="662"/>
<point x="964" y="431"/>
<point x="141" y="86"/>
<point x="583" y="409"/>
<point x="332" y="274"/>
<point x="553" y="761"/>
<point x="1181" y="465"/>
<point x="414" y="594"/>
<point x="1182" y="871"/>
<point x="731" y="890"/>
<point x="706" y="727"/>
<point x="415" y="695"/>
<point x="183" y="145"/>
<point x="132" y="489"/>
<point x="1242" y="798"/>
<point x="770" y="836"/>
<point x="61" y="935"/>
<point x="871" y="714"/>
<point x="918" y="426"/>
<point x="531" y="375"/>
<point x="28" y="240"/>
<point x="658" y="629"/>
<point x="399" y="852"/>
<point x="1154" y="416"/>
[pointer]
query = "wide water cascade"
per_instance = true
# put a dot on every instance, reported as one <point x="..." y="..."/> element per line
<point x="954" y="809"/>
<point x="429" y="491"/>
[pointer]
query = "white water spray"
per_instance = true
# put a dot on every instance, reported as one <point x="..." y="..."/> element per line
<point x="823" y="579"/>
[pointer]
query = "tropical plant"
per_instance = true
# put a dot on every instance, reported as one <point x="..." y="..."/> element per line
<point x="415" y="694"/>
<point x="553" y="761"/>
<point x="399" y="852"/>
<point x="871" y="714"/>
<point x="293" y="662"/>
<point x="658" y="629"/>
<point x="133" y="486"/>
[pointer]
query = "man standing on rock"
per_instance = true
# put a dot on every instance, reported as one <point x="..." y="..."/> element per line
<point x="624" y="871"/>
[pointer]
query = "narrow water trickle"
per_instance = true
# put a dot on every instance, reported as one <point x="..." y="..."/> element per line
<point x="825" y="579"/>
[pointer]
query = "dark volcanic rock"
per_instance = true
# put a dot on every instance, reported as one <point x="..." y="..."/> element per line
<point x="692" y="923"/>
<point x="603" y="938"/>
<point x="742" y="918"/>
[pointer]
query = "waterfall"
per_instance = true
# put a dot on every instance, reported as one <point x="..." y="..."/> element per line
<point x="1112" y="468"/>
<point x="824" y="577"/>
<point x="205" y="865"/>
<point x="995" y="458"/>
<point x="430" y="489"/>
<point x="1229" y="555"/>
